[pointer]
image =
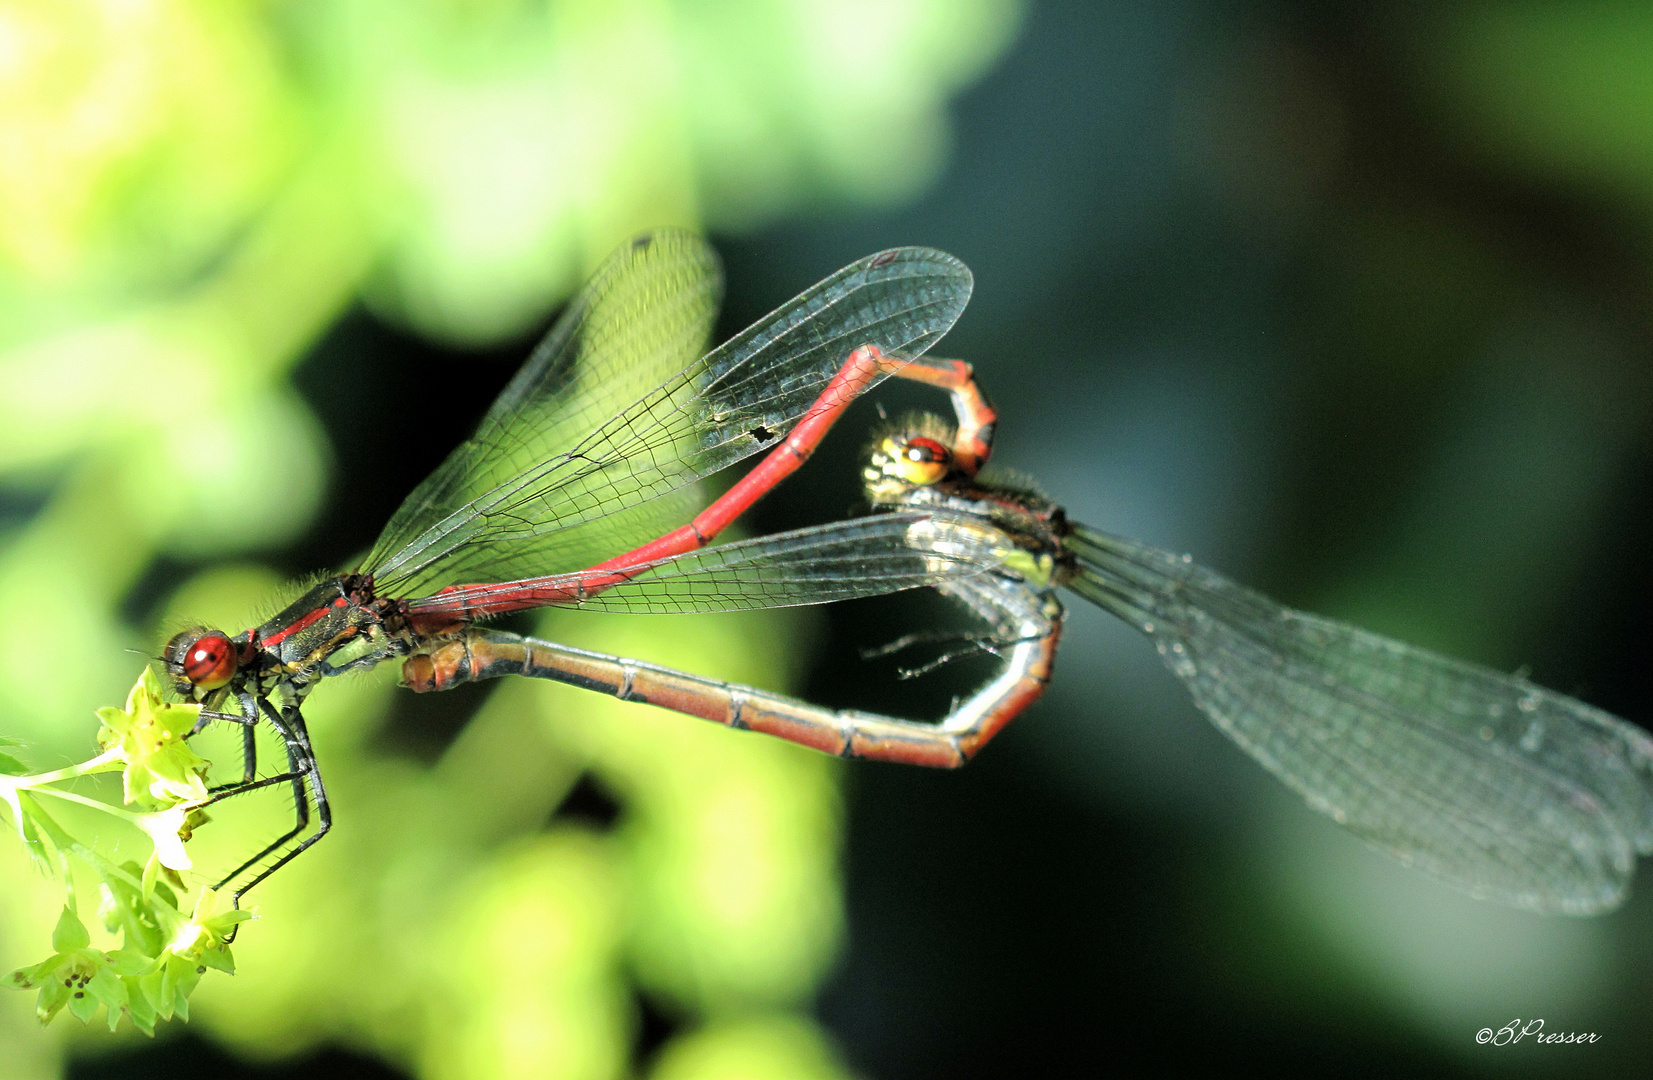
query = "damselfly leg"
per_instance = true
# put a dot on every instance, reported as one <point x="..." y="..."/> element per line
<point x="302" y="775"/>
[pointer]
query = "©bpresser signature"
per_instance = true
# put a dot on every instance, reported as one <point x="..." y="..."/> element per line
<point x="1516" y="1030"/>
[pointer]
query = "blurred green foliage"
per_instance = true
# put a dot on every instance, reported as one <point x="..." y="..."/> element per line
<point x="1561" y="90"/>
<point x="191" y="191"/>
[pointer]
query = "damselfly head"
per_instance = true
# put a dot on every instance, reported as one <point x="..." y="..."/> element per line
<point x="916" y="453"/>
<point x="201" y="659"/>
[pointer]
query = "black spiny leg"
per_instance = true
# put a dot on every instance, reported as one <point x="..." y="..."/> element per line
<point x="300" y="771"/>
<point x="249" y="750"/>
<point x="306" y="780"/>
<point x="248" y="720"/>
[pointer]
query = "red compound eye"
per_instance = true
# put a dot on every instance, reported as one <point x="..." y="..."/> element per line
<point x="927" y="450"/>
<point x="924" y="461"/>
<point x="209" y="661"/>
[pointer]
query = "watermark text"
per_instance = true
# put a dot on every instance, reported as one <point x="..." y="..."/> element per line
<point x="1516" y="1030"/>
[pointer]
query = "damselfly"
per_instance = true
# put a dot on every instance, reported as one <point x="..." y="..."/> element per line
<point x="1513" y="792"/>
<point x="592" y="449"/>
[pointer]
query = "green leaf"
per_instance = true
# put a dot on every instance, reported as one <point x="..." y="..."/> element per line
<point x="82" y="1005"/>
<point x="106" y="986"/>
<point x="219" y="957"/>
<point x="220" y="925"/>
<point x="178" y="978"/>
<point x="70" y="934"/>
<point x="27" y="978"/>
<point x="139" y="1008"/>
<point x="130" y="962"/>
<point x="29" y="829"/>
<point x="54" y="994"/>
<point x="124" y="910"/>
<point x="157" y="991"/>
<point x="11" y="766"/>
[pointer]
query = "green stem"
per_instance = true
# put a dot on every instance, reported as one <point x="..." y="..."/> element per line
<point x="96" y="804"/>
<point x="108" y="761"/>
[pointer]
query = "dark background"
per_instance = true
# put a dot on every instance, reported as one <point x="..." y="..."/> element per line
<point x="1261" y="283"/>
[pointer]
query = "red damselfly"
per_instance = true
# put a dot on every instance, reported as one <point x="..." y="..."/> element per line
<point x="591" y="450"/>
<point x="1498" y="786"/>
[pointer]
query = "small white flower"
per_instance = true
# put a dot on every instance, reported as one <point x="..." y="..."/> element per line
<point x="163" y="827"/>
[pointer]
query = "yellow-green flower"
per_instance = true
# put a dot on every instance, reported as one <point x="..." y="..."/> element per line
<point x="200" y="943"/>
<point x="206" y="936"/>
<point x="161" y="769"/>
<point x="76" y="975"/>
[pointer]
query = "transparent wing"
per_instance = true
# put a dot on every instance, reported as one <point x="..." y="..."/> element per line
<point x="1481" y="778"/>
<point x="645" y="315"/>
<point x="846" y="560"/>
<point x="621" y="406"/>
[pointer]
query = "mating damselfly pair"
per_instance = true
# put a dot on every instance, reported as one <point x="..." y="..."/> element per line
<point x="574" y="492"/>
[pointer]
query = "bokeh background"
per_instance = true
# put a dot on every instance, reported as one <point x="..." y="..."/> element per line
<point x="1352" y="301"/>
